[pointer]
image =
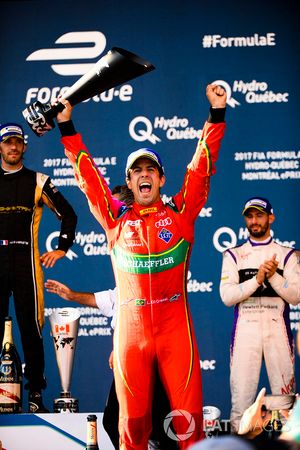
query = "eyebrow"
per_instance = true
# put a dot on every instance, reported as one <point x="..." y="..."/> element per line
<point x="151" y="164"/>
<point x="254" y="213"/>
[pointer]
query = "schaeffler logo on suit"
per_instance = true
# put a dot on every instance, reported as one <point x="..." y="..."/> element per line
<point x="59" y="55"/>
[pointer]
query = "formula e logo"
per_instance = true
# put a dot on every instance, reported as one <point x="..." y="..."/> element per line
<point x="96" y="43"/>
<point x="165" y="235"/>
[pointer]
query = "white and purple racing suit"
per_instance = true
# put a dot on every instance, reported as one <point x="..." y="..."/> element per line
<point x="261" y="328"/>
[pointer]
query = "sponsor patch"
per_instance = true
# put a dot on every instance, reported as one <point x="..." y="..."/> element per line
<point x="140" y="302"/>
<point x="148" y="210"/>
<point x="165" y="235"/>
<point x="163" y="222"/>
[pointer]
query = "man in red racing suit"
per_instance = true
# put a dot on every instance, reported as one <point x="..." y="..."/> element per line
<point x="150" y="244"/>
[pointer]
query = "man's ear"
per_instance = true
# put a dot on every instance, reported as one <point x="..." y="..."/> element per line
<point x="271" y="218"/>
<point x="162" y="181"/>
<point x="24" y="147"/>
<point x="128" y="182"/>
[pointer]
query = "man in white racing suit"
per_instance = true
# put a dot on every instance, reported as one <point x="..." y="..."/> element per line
<point x="260" y="278"/>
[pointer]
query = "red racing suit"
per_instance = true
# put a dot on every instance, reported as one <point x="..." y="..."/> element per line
<point x="150" y="249"/>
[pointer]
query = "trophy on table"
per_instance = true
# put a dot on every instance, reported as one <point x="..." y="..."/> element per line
<point x="64" y="329"/>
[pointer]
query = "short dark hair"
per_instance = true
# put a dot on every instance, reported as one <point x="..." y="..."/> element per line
<point x="125" y="194"/>
<point x="116" y="189"/>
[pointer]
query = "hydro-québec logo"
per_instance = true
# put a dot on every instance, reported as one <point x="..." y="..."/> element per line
<point x="253" y="92"/>
<point x="143" y="129"/>
<point x="68" y="57"/>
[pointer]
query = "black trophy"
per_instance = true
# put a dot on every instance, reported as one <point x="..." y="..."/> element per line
<point x="116" y="67"/>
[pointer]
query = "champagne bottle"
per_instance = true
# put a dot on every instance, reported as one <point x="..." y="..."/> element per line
<point x="91" y="440"/>
<point x="10" y="373"/>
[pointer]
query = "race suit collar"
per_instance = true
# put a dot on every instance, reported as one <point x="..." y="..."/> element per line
<point x="6" y="172"/>
<point x="256" y="243"/>
<point x="143" y="210"/>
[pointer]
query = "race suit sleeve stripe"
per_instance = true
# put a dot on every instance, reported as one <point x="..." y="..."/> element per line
<point x="55" y="201"/>
<point x="203" y="143"/>
<point x="117" y="355"/>
<point x="37" y="272"/>
<point x="188" y="321"/>
<point x="288" y="256"/>
<point x="233" y="255"/>
<point x="195" y="188"/>
<point x="105" y="208"/>
<point x="287" y="286"/>
<point x="84" y="157"/>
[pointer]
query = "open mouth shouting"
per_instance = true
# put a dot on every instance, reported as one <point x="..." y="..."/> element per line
<point x="145" y="188"/>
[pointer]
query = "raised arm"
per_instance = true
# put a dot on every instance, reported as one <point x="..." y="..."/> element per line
<point x="195" y="188"/>
<point x="102" y="204"/>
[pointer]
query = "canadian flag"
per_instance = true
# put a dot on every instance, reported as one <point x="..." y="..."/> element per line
<point x="62" y="328"/>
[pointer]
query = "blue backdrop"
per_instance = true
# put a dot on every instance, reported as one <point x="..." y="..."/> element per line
<point x="252" y="49"/>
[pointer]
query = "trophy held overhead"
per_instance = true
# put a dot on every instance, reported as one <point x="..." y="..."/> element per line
<point x="116" y="67"/>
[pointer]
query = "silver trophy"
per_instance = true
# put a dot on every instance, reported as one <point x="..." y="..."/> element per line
<point x="64" y="329"/>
